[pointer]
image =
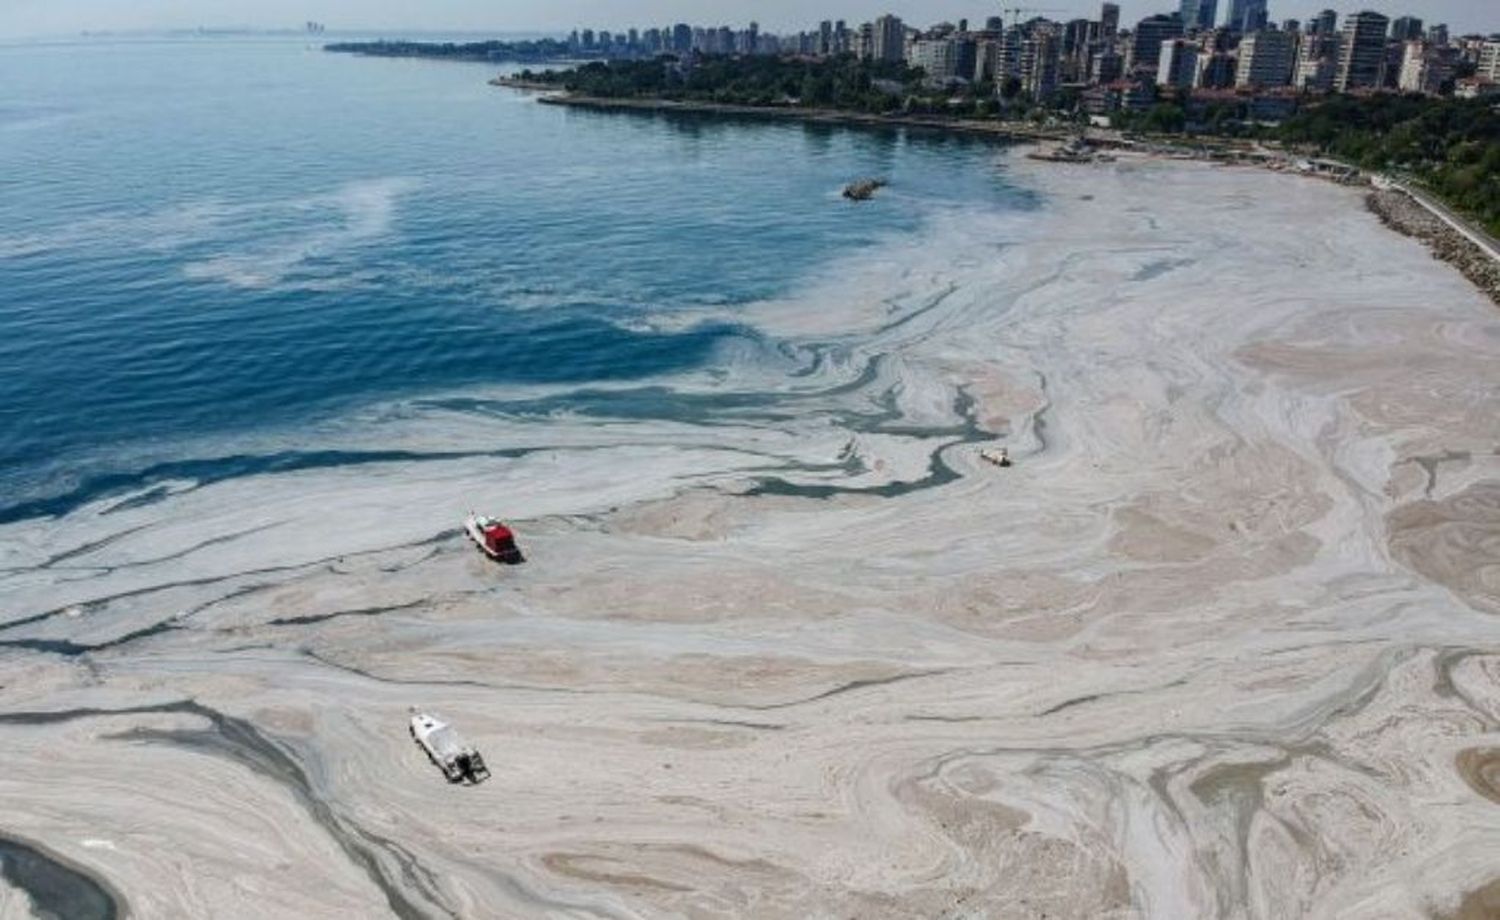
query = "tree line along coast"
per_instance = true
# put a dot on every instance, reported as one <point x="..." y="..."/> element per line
<point x="1388" y="96"/>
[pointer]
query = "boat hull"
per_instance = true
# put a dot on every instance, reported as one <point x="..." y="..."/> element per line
<point x="510" y="555"/>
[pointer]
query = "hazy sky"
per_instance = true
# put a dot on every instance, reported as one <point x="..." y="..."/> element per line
<point x="50" y="17"/>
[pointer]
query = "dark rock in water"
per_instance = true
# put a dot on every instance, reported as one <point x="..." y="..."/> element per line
<point x="863" y="189"/>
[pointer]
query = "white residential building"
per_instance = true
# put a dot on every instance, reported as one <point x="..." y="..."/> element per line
<point x="937" y="56"/>
<point x="1317" y="62"/>
<point x="1265" y="60"/>
<point x="1424" y="68"/>
<point x="1178" y="65"/>
<point x="1489" y="61"/>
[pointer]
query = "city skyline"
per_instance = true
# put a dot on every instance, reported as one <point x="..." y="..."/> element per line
<point x="24" y="18"/>
<point x="1093" y="65"/>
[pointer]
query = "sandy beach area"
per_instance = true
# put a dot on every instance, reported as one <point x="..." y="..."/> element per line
<point x="1224" y="641"/>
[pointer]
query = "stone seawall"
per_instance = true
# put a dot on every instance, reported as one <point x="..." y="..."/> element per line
<point x="1398" y="211"/>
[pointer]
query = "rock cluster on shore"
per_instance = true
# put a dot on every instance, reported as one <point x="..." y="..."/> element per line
<point x="1398" y="211"/>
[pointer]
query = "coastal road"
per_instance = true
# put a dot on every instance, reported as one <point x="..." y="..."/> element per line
<point x="1474" y="234"/>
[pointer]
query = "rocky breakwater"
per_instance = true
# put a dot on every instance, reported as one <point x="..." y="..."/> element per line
<point x="523" y="83"/>
<point x="1400" y="212"/>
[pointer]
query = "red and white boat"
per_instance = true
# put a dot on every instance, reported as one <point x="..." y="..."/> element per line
<point x="493" y="538"/>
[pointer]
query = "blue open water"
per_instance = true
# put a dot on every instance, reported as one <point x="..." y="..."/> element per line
<point x="211" y="237"/>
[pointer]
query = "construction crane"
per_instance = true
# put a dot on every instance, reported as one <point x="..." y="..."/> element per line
<point x="1017" y="11"/>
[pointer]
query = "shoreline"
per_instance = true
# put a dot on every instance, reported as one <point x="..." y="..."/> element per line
<point x="1229" y="612"/>
<point x="992" y="130"/>
<point x="1404" y="214"/>
<point x="1446" y="244"/>
<point x="861" y="657"/>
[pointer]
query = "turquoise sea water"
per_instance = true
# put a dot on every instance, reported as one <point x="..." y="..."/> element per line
<point x="206" y="239"/>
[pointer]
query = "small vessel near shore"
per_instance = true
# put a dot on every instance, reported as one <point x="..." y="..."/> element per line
<point x="448" y="752"/>
<point x="863" y="189"/>
<point x="997" y="456"/>
<point x="493" y="538"/>
<point x="1076" y="150"/>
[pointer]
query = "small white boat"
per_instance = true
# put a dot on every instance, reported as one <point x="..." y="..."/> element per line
<point x="999" y="456"/>
<point x="447" y="751"/>
<point x="493" y="538"/>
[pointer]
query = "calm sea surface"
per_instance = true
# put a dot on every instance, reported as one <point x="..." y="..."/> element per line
<point x="206" y="238"/>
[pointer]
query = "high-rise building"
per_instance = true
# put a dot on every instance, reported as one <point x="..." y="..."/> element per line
<point x="1253" y="17"/>
<point x="682" y="38"/>
<point x="1198" y="15"/>
<point x="1039" y="63"/>
<point x="1265" y="59"/>
<point x="825" y="37"/>
<point x="994" y="24"/>
<point x="890" y="38"/>
<point x="1178" y="65"/>
<point x="1109" y="20"/>
<point x="1406" y="29"/>
<point x="1075" y="35"/>
<point x="1246" y="16"/>
<point x="1437" y="34"/>
<point x="1220" y="39"/>
<point x="1390" y="72"/>
<point x="1215" y="70"/>
<point x="1327" y="23"/>
<point x="1362" y="52"/>
<point x="1106" y="65"/>
<point x="936" y="56"/>
<point x="1425" y="67"/>
<point x="965" y="55"/>
<point x="1145" y="45"/>
<point x="1317" y="62"/>
<point x="1075" y="51"/>
<point x="1488" y="67"/>
<point x="986" y="58"/>
<point x="1008" y="57"/>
